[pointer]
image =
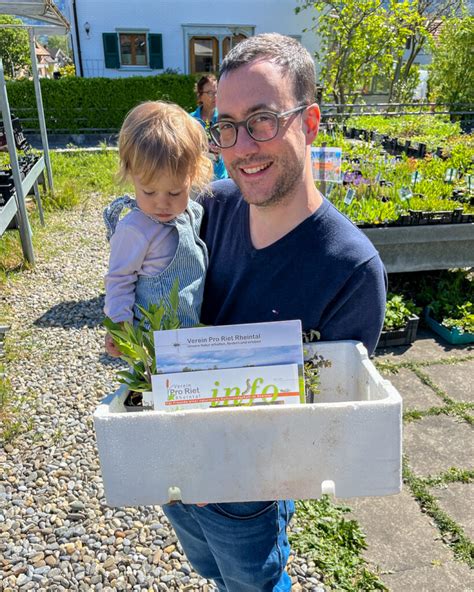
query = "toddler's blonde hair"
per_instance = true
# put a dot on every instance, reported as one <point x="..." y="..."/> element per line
<point x="161" y="137"/>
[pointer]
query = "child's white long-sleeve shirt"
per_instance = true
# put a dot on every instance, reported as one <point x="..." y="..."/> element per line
<point x="139" y="246"/>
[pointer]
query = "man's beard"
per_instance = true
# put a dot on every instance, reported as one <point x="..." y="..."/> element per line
<point x="291" y="175"/>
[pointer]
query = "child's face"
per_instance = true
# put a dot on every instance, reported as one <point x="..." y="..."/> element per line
<point x="163" y="199"/>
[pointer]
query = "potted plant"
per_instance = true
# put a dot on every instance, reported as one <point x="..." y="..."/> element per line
<point x="138" y="349"/>
<point x="400" y="323"/>
<point x="457" y="329"/>
<point x="449" y="300"/>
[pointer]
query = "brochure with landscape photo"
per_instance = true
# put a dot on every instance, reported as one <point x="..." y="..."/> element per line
<point x="201" y="354"/>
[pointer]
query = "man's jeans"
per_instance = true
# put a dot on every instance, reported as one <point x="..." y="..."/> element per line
<point x="243" y="547"/>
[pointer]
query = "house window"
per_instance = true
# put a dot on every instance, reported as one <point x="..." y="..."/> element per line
<point x="226" y="46"/>
<point x="204" y="54"/>
<point x="141" y="50"/>
<point x="133" y="49"/>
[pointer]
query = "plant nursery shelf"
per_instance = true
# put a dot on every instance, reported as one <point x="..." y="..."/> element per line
<point x="424" y="248"/>
<point x="7" y="213"/>
<point x="33" y="175"/>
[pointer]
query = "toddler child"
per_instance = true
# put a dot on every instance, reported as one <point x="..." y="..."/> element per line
<point x="162" y="152"/>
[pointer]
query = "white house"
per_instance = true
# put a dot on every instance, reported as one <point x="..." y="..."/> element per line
<point x="116" y="38"/>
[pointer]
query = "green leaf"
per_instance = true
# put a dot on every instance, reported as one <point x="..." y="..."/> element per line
<point x="174" y="296"/>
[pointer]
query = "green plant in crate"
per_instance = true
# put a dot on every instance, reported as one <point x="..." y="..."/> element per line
<point x="398" y="312"/>
<point x="371" y="205"/>
<point x="450" y="295"/>
<point x="463" y="320"/>
<point x="136" y="341"/>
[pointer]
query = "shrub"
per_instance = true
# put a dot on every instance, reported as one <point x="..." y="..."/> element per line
<point x="77" y="105"/>
<point x="398" y="312"/>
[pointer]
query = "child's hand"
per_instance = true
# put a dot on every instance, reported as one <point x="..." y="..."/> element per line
<point x="110" y="347"/>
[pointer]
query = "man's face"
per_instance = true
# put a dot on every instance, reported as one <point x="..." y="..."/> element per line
<point x="267" y="173"/>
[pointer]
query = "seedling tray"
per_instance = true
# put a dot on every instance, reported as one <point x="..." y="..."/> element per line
<point x="348" y="443"/>
<point x="404" y="336"/>
<point x="452" y="336"/>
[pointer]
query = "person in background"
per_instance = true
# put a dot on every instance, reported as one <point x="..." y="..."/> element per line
<point x="206" y="114"/>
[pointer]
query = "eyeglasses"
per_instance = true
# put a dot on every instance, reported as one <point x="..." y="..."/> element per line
<point x="262" y="127"/>
<point x="209" y="93"/>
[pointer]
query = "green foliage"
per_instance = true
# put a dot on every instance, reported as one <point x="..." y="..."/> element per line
<point x="404" y="88"/>
<point x="452" y="72"/>
<point x="73" y="104"/>
<point x="451" y="532"/>
<point x="59" y="42"/>
<point x="67" y="70"/>
<point x="14" y="46"/>
<point x="136" y="341"/>
<point x="359" y="40"/>
<point x="408" y="126"/>
<point x="82" y="175"/>
<point x="335" y="544"/>
<point x="380" y="203"/>
<point x="79" y="176"/>
<point x="463" y="319"/>
<point x="312" y="366"/>
<point x="398" y="311"/>
<point x="450" y="295"/>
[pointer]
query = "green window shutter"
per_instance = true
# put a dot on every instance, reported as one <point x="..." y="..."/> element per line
<point x="155" y="50"/>
<point x="111" y="50"/>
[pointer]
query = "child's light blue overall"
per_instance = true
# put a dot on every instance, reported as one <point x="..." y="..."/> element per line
<point x="242" y="547"/>
<point x="188" y="265"/>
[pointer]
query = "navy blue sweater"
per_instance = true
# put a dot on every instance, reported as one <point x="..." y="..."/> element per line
<point x="324" y="272"/>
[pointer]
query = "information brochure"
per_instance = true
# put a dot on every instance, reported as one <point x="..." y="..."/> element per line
<point x="241" y="365"/>
<point x="326" y="164"/>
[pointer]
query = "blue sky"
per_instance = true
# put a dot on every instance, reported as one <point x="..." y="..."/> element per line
<point x="237" y="358"/>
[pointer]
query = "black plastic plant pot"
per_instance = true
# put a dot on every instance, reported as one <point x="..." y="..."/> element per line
<point x="404" y="336"/>
<point x="422" y="218"/>
<point x="133" y="402"/>
<point x="421" y="150"/>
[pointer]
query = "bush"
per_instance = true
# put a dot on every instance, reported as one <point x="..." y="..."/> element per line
<point x="452" y="75"/>
<point x="398" y="312"/>
<point x="77" y="105"/>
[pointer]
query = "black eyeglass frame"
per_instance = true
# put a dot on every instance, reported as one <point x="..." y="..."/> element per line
<point x="244" y="122"/>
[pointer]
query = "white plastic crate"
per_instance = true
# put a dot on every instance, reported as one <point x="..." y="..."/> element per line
<point x="347" y="443"/>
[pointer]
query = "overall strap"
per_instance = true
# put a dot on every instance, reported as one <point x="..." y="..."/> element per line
<point x="112" y="212"/>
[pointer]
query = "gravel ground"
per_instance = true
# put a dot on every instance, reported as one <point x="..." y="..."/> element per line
<point x="56" y="531"/>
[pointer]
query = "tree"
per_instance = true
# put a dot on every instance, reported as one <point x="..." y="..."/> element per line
<point x="14" y="45"/>
<point x="426" y="19"/>
<point x="59" y="42"/>
<point x="451" y="72"/>
<point x="359" y="39"/>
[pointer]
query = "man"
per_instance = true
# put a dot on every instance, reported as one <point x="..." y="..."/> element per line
<point x="278" y="250"/>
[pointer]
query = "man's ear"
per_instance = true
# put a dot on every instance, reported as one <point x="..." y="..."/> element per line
<point x="311" y="119"/>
